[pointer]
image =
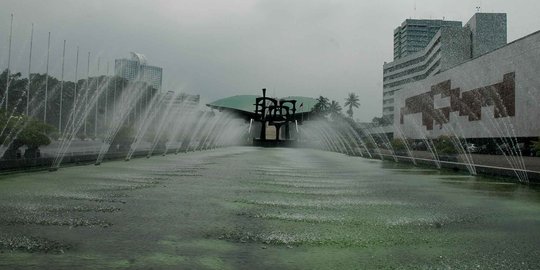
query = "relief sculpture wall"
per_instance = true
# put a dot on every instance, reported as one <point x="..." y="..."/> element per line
<point x="501" y="95"/>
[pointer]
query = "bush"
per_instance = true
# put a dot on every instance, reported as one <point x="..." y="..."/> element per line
<point x="370" y="145"/>
<point x="536" y="147"/>
<point x="123" y="139"/>
<point x="25" y="131"/>
<point x="21" y="130"/>
<point x="445" y="146"/>
<point x="398" y="144"/>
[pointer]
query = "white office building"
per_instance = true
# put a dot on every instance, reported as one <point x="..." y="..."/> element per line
<point x="451" y="45"/>
<point x="495" y="95"/>
<point x="137" y="69"/>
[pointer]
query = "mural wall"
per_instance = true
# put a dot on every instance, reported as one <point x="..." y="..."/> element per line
<point x="495" y="95"/>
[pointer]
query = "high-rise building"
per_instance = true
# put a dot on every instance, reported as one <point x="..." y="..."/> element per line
<point x="414" y="35"/>
<point x="491" y="100"/>
<point x="450" y="45"/>
<point x="137" y="69"/>
<point x="488" y="32"/>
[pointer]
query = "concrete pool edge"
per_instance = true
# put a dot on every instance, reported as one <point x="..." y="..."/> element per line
<point x="505" y="173"/>
<point x="483" y="170"/>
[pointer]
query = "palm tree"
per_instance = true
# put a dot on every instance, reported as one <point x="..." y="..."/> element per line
<point x="352" y="102"/>
<point x="334" y="109"/>
<point x="322" y="105"/>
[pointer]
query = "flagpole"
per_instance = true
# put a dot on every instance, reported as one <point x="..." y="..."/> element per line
<point x="105" y="116"/>
<point x="29" y="69"/>
<point x="47" y="79"/>
<point x="86" y="96"/>
<point x="9" y="62"/>
<point x="97" y="100"/>
<point x="62" y="89"/>
<point x="302" y="110"/>
<point x="75" y="98"/>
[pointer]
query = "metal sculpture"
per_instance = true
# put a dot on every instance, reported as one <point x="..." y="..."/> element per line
<point x="275" y="113"/>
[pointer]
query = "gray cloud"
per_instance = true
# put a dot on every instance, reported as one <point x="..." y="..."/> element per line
<point x="221" y="48"/>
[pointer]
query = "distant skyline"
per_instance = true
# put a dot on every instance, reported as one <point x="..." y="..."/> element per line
<point x="222" y="48"/>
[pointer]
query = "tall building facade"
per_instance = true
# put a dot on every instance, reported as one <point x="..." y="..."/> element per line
<point x="488" y="32"/>
<point x="137" y="69"/>
<point x="449" y="46"/>
<point x="494" y="95"/>
<point x="414" y="35"/>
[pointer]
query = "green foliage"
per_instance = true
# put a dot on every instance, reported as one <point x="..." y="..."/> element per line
<point x="334" y="109"/>
<point x="123" y="139"/>
<point x="445" y="146"/>
<point x="352" y="102"/>
<point x="74" y="93"/>
<point x="125" y="133"/>
<point x="398" y="144"/>
<point x="21" y="130"/>
<point x="536" y="147"/>
<point x="322" y="106"/>
<point x="380" y="121"/>
<point x="35" y="134"/>
<point x="370" y="145"/>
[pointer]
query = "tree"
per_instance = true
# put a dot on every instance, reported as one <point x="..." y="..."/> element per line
<point x="380" y="121"/>
<point x="334" y="109"/>
<point x="21" y="130"/>
<point x="112" y="89"/>
<point x="123" y="139"/>
<point x="352" y="102"/>
<point x="322" y="106"/>
<point x="17" y="87"/>
<point x="398" y="144"/>
<point x="444" y="145"/>
<point x="370" y="145"/>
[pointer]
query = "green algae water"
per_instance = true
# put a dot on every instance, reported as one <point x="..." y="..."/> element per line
<point x="256" y="208"/>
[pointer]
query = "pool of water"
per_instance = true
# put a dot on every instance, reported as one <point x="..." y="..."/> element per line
<point x="257" y="208"/>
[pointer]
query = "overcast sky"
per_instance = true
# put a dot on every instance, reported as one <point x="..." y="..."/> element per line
<point x="219" y="48"/>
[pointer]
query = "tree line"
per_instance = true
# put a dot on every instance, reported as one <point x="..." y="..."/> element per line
<point x="32" y="113"/>
<point x="324" y="107"/>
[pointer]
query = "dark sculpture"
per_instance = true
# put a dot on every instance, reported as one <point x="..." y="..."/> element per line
<point x="276" y="113"/>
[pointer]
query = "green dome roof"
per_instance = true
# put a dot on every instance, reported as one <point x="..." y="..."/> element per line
<point x="241" y="103"/>
<point x="246" y="103"/>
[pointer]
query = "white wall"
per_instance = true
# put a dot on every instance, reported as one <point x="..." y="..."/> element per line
<point x="521" y="57"/>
